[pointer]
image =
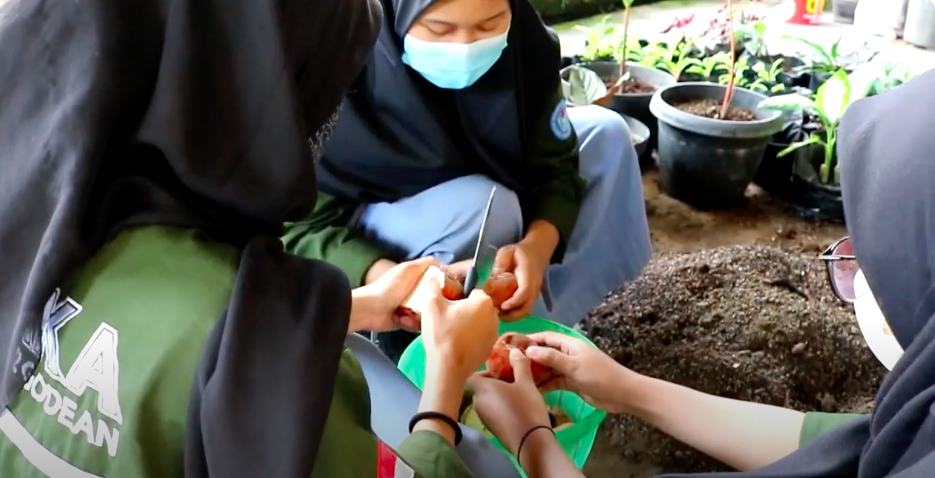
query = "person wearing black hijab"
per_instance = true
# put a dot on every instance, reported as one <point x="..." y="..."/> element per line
<point x="150" y="322"/>
<point x="460" y="96"/>
<point x="886" y="172"/>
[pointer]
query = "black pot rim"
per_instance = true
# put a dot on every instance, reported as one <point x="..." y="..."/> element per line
<point x="672" y="116"/>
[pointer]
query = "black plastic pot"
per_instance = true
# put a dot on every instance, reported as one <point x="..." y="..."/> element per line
<point x="635" y="105"/>
<point x="811" y="199"/>
<point x="705" y="162"/>
<point x="641" y="135"/>
<point x="844" y="10"/>
<point x="817" y="79"/>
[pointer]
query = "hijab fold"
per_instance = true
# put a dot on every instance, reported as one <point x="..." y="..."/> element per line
<point x="189" y="113"/>
<point x="885" y="152"/>
<point x="400" y="135"/>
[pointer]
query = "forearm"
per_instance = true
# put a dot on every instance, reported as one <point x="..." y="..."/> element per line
<point x="543" y="236"/>
<point x="442" y="393"/>
<point x="325" y="235"/>
<point x="744" y="435"/>
<point x="543" y="457"/>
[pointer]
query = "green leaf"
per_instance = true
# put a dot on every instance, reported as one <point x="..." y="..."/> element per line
<point x="787" y="103"/>
<point x="760" y="27"/>
<point x="825" y="56"/>
<point x="833" y="97"/>
<point x="777" y="88"/>
<point x="813" y="139"/>
<point x="584" y="86"/>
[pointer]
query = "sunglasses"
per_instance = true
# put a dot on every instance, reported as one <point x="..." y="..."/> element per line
<point x="842" y="268"/>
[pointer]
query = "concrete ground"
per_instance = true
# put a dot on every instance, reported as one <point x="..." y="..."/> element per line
<point x="647" y="21"/>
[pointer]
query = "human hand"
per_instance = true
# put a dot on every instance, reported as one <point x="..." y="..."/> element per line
<point x="510" y="410"/>
<point x="582" y="368"/>
<point x="528" y="262"/>
<point x="376" y="306"/>
<point x="457" y="335"/>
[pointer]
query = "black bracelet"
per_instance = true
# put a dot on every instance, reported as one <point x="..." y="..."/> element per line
<point x="519" y="450"/>
<point x="418" y="417"/>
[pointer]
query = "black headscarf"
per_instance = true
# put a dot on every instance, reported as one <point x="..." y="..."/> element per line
<point x="190" y="113"/>
<point x="885" y="148"/>
<point x="400" y="135"/>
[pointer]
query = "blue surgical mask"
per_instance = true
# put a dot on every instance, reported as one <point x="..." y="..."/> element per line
<point x="452" y="65"/>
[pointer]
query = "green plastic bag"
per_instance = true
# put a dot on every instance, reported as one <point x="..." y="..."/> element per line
<point x="577" y="439"/>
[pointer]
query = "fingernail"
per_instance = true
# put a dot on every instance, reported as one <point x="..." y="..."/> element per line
<point x="533" y="351"/>
<point x="515" y="353"/>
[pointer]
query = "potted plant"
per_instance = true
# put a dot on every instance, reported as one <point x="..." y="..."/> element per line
<point x="815" y="175"/>
<point x="582" y="86"/>
<point x="711" y="138"/>
<point x="825" y="61"/>
<point x="630" y="84"/>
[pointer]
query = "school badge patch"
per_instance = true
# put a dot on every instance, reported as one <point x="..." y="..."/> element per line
<point x="389" y="465"/>
<point x="559" y="122"/>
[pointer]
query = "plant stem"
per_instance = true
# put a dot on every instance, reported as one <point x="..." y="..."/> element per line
<point x="829" y="156"/>
<point x="626" y="31"/>
<point x="729" y="92"/>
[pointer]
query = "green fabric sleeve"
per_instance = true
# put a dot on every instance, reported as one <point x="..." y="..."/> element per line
<point x="430" y="456"/>
<point x="325" y="235"/>
<point x="817" y="423"/>
<point x="556" y="188"/>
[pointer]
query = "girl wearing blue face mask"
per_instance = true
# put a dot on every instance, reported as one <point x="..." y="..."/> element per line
<point x="460" y="96"/>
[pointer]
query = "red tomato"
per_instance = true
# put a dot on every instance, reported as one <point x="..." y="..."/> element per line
<point x="498" y="364"/>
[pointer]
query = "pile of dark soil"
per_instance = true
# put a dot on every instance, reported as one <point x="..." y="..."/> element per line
<point x="748" y="322"/>
<point x="712" y="109"/>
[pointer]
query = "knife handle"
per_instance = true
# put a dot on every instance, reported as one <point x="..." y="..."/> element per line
<point x="470" y="281"/>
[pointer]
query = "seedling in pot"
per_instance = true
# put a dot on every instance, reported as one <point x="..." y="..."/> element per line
<point x="600" y="41"/>
<point x="709" y="65"/>
<point x="741" y="67"/>
<point x="766" y="77"/>
<point x="729" y="91"/>
<point x="753" y="37"/>
<point x="831" y="100"/>
<point x="626" y="31"/>
<point x="827" y="61"/>
<point x="675" y="59"/>
<point x="888" y="79"/>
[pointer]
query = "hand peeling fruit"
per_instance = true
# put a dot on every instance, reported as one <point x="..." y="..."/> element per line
<point x="499" y="287"/>
<point x="498" y="365"/>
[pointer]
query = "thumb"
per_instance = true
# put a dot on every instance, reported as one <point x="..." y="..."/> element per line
<point x="504" y="260"/>
<point x="552" y="358"/>
<point x="522" y="367"/>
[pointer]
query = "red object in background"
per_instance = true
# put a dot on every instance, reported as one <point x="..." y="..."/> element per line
<point x="805" y="12"/>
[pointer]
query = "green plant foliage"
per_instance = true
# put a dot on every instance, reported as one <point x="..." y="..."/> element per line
<point x="673" y="58"/>
<point x="767" y="79"/>
<point x="709" y="65"/>
<point x="583" y="86"/>
<point x="830" y="102"/>
<point x="753" y="37"/>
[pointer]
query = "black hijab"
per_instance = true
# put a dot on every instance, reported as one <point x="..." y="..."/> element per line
<point x="191" y="113"/>
<point x="400" y="135"/>
<point x="885" y="149"/>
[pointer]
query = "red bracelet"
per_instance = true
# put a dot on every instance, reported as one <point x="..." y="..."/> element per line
<point x="519" y="450"/>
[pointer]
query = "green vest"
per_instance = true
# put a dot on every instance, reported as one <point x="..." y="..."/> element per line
<point x="121" y="341"/>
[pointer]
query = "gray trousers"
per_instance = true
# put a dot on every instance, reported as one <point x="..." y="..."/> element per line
<point x="609" y="245"/>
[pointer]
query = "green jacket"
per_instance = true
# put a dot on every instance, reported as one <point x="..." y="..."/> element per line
<point x="110" y="395"/>
<point x="555" y="192"/>
<point x="816" y="424"/>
